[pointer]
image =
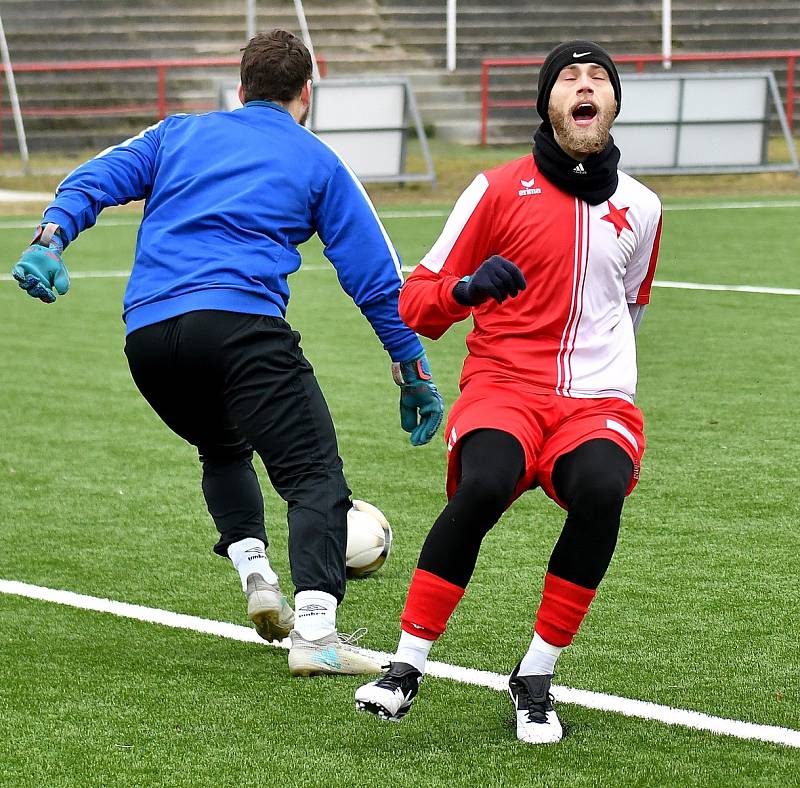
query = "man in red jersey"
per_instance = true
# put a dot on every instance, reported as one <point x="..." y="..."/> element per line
<point x="553" y="256"/>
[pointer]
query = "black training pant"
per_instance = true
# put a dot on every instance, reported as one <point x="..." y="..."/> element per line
<point x="232" y="383"/>
<point x="591" y="480"/>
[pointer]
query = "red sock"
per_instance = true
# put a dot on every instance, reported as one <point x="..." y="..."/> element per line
<point x="563" y="607"/>
<point x="429" y="604"/>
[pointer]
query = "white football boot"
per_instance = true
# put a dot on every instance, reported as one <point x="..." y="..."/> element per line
<point x="268" y="609"/>
<point x="391" y="696"/>
<point x="333" y="654"/>
<point x="537" y="721"/>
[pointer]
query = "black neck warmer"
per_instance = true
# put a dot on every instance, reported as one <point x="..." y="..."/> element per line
<point x="593" y="180"/>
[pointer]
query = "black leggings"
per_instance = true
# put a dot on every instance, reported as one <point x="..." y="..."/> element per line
<point x="591" y="480"/>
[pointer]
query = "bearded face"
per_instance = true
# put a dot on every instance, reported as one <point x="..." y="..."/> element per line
<point x="582" y="109"/>
<point x="579" y="139"/>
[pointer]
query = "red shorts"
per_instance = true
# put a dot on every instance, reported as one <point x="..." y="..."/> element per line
<point x="547" y="426"/>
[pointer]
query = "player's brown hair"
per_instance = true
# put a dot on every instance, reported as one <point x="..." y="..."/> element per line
<point x="275" y="66"/>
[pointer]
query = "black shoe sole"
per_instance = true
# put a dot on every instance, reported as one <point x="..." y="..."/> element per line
<point x="381" y="712"/>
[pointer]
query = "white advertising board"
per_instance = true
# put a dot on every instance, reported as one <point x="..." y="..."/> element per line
<point x="364" y="123"/>
<point x="697" y="122"/>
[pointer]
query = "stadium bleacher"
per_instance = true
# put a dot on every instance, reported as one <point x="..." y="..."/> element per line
<point x="388" y="36"/>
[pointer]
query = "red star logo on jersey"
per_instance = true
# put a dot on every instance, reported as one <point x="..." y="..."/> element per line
<point x="616" y="216"/>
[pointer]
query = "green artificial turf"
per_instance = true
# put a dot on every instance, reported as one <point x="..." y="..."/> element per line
<point x="699" y="609"/>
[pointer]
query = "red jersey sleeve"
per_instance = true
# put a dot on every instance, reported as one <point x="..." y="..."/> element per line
<point x="426" y="299"/>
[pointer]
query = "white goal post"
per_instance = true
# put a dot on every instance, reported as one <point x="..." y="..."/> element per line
<point x="22" y="140"/>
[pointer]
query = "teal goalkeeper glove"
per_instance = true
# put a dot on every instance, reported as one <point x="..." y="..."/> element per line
<point x="421" y="404"/>
<point x="40" y="268"/>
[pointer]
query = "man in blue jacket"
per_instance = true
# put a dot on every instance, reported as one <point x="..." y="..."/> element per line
<point x="229" y="196"/>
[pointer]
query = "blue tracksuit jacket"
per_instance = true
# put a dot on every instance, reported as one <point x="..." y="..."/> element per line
<point x="229" y="196"/>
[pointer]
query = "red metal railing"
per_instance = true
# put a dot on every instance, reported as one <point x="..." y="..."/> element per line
<point x="640" y="61"/>
<point x="159" y="108"/>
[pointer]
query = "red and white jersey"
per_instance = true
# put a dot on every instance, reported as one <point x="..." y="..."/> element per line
<point x="570" y="332"/>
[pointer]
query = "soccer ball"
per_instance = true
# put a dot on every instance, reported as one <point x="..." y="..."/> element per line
<point x="369" y="539"/>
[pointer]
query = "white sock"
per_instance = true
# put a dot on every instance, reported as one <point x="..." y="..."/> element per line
<point x="250" y="557"/>
<point x="314" y="614"/>
<point x="540" y="659"/>
<point x="413" y="650"/>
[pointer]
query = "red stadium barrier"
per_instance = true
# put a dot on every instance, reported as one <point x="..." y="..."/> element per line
<point x="640" y="61"/>
<point x="160" y="107"/>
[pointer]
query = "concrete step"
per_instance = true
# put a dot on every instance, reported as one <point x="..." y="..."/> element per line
<point x="464" y="131"/>
<point x="368" y="37"/>
<point x="579" y="8"/>
<point x="55" y="9"/>
<point x="88" y="138"/>
<point x="586" y="9"/>
<point x="440" y="112"/>
<point x="508" y="24"/>
<point x="723" y="7"/>
<point x="522" y="38"/>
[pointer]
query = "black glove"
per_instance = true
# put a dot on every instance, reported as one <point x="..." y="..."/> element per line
<point x="496" y="278"/>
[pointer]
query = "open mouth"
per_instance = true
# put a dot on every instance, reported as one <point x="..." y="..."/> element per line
<point x="584" y="114"/>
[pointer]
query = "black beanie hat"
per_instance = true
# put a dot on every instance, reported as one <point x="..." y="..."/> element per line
<point x="565" y="55"/>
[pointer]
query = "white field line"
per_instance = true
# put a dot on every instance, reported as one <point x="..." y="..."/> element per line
<point x="719" y="206"/>
<point x="7" y="195"/>
<point x="129" y="221"/>
<point x="135" y="221"/>
<point x="106" y="221"/>
<point x="732" y="206"/>
<point x="314" y="267"/>
<point x="481" y="678"/>
<point x="712" y="206"/>
<point x="85" y="275"/>
<point x="735" y="288"/>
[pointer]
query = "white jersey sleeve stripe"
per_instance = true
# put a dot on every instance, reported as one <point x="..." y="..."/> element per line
<point x="460" y="215"/>
<point x="584" y="263"/>
<point x="576" y="275"/>
<point x="106" y="151"/>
